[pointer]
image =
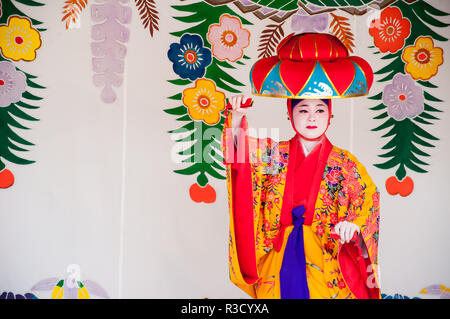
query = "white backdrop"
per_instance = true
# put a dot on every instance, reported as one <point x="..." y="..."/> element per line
<point x="102" y="193"/>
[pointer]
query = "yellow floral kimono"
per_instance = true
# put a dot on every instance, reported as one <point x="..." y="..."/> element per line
<point x="346" y="192"/>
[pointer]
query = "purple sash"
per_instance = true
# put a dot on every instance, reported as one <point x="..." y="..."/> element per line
<point x="293" y="284"/>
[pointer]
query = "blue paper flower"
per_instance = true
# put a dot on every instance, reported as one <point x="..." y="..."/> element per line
<point x="10" y="295"/>
<point x="396" y="296"/>
<point x="190" y="58"/>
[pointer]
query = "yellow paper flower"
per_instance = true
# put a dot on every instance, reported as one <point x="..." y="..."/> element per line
<point x="204" y="102"/>
<point x="422" y="59"/>
<point x="19" y="40"/>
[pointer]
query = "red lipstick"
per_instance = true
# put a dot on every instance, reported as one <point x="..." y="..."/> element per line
<point x="311" y="127"/>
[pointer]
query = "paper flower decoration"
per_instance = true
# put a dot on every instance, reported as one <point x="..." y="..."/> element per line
<point x="12" y="84"/>
<point x="228" y="39"/>
<point x="109" y="35"/>
<point x="403" y="98"/>
<point x="204" y="102"/>
<point x="422" y="59"/>
<point x="307" y="23"/>
<point x="396" y="296"/>
<point x="11" y="295"/>
<point x="70" y="288"/>
<point x="437" y="290"/>
<point x="189" y="57"/>
<point x="19" y="40"/>
<point x="390" y="30"/>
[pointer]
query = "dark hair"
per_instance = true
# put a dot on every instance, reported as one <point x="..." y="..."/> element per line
<point x="296" y="101"/>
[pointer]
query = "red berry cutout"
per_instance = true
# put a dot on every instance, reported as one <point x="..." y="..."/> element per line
<point x="406" y="187"/>
<point x="392" y="185"/>
<point x="6" y="178"/>
<point x="200" y="194"/>
<point x="403" y="188"/>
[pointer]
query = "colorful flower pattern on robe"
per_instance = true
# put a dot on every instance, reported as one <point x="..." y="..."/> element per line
<point x="346" y="193"/>
<point x="19" y="40"/>
<point x="13" y="84"/>
<point x="228" y="39"/>
<point x="269" y="163"/>
<point x="189" y="57"/>
<point x="390" y="30"/>
<point x="403" y="98"/>
<point x="204" y="102"/>
<point x="422" y="59"/>
<point x="343" y="196"/>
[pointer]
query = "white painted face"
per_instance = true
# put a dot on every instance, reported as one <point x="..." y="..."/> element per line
<point x="310" y="118"/>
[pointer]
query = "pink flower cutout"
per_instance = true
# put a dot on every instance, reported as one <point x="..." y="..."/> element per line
<point x="228" y="39"/>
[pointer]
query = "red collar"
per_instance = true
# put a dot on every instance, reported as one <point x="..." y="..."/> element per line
<point x="323" y="148"/>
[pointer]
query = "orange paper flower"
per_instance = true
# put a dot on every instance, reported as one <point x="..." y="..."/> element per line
<point x="204" y="102"/>
<point x="422" y="59"/>
<point x="19" y="40"/>
<point x="390" y="30"/>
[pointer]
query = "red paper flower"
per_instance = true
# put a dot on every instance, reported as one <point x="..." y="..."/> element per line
<point x="390" y="30"/>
